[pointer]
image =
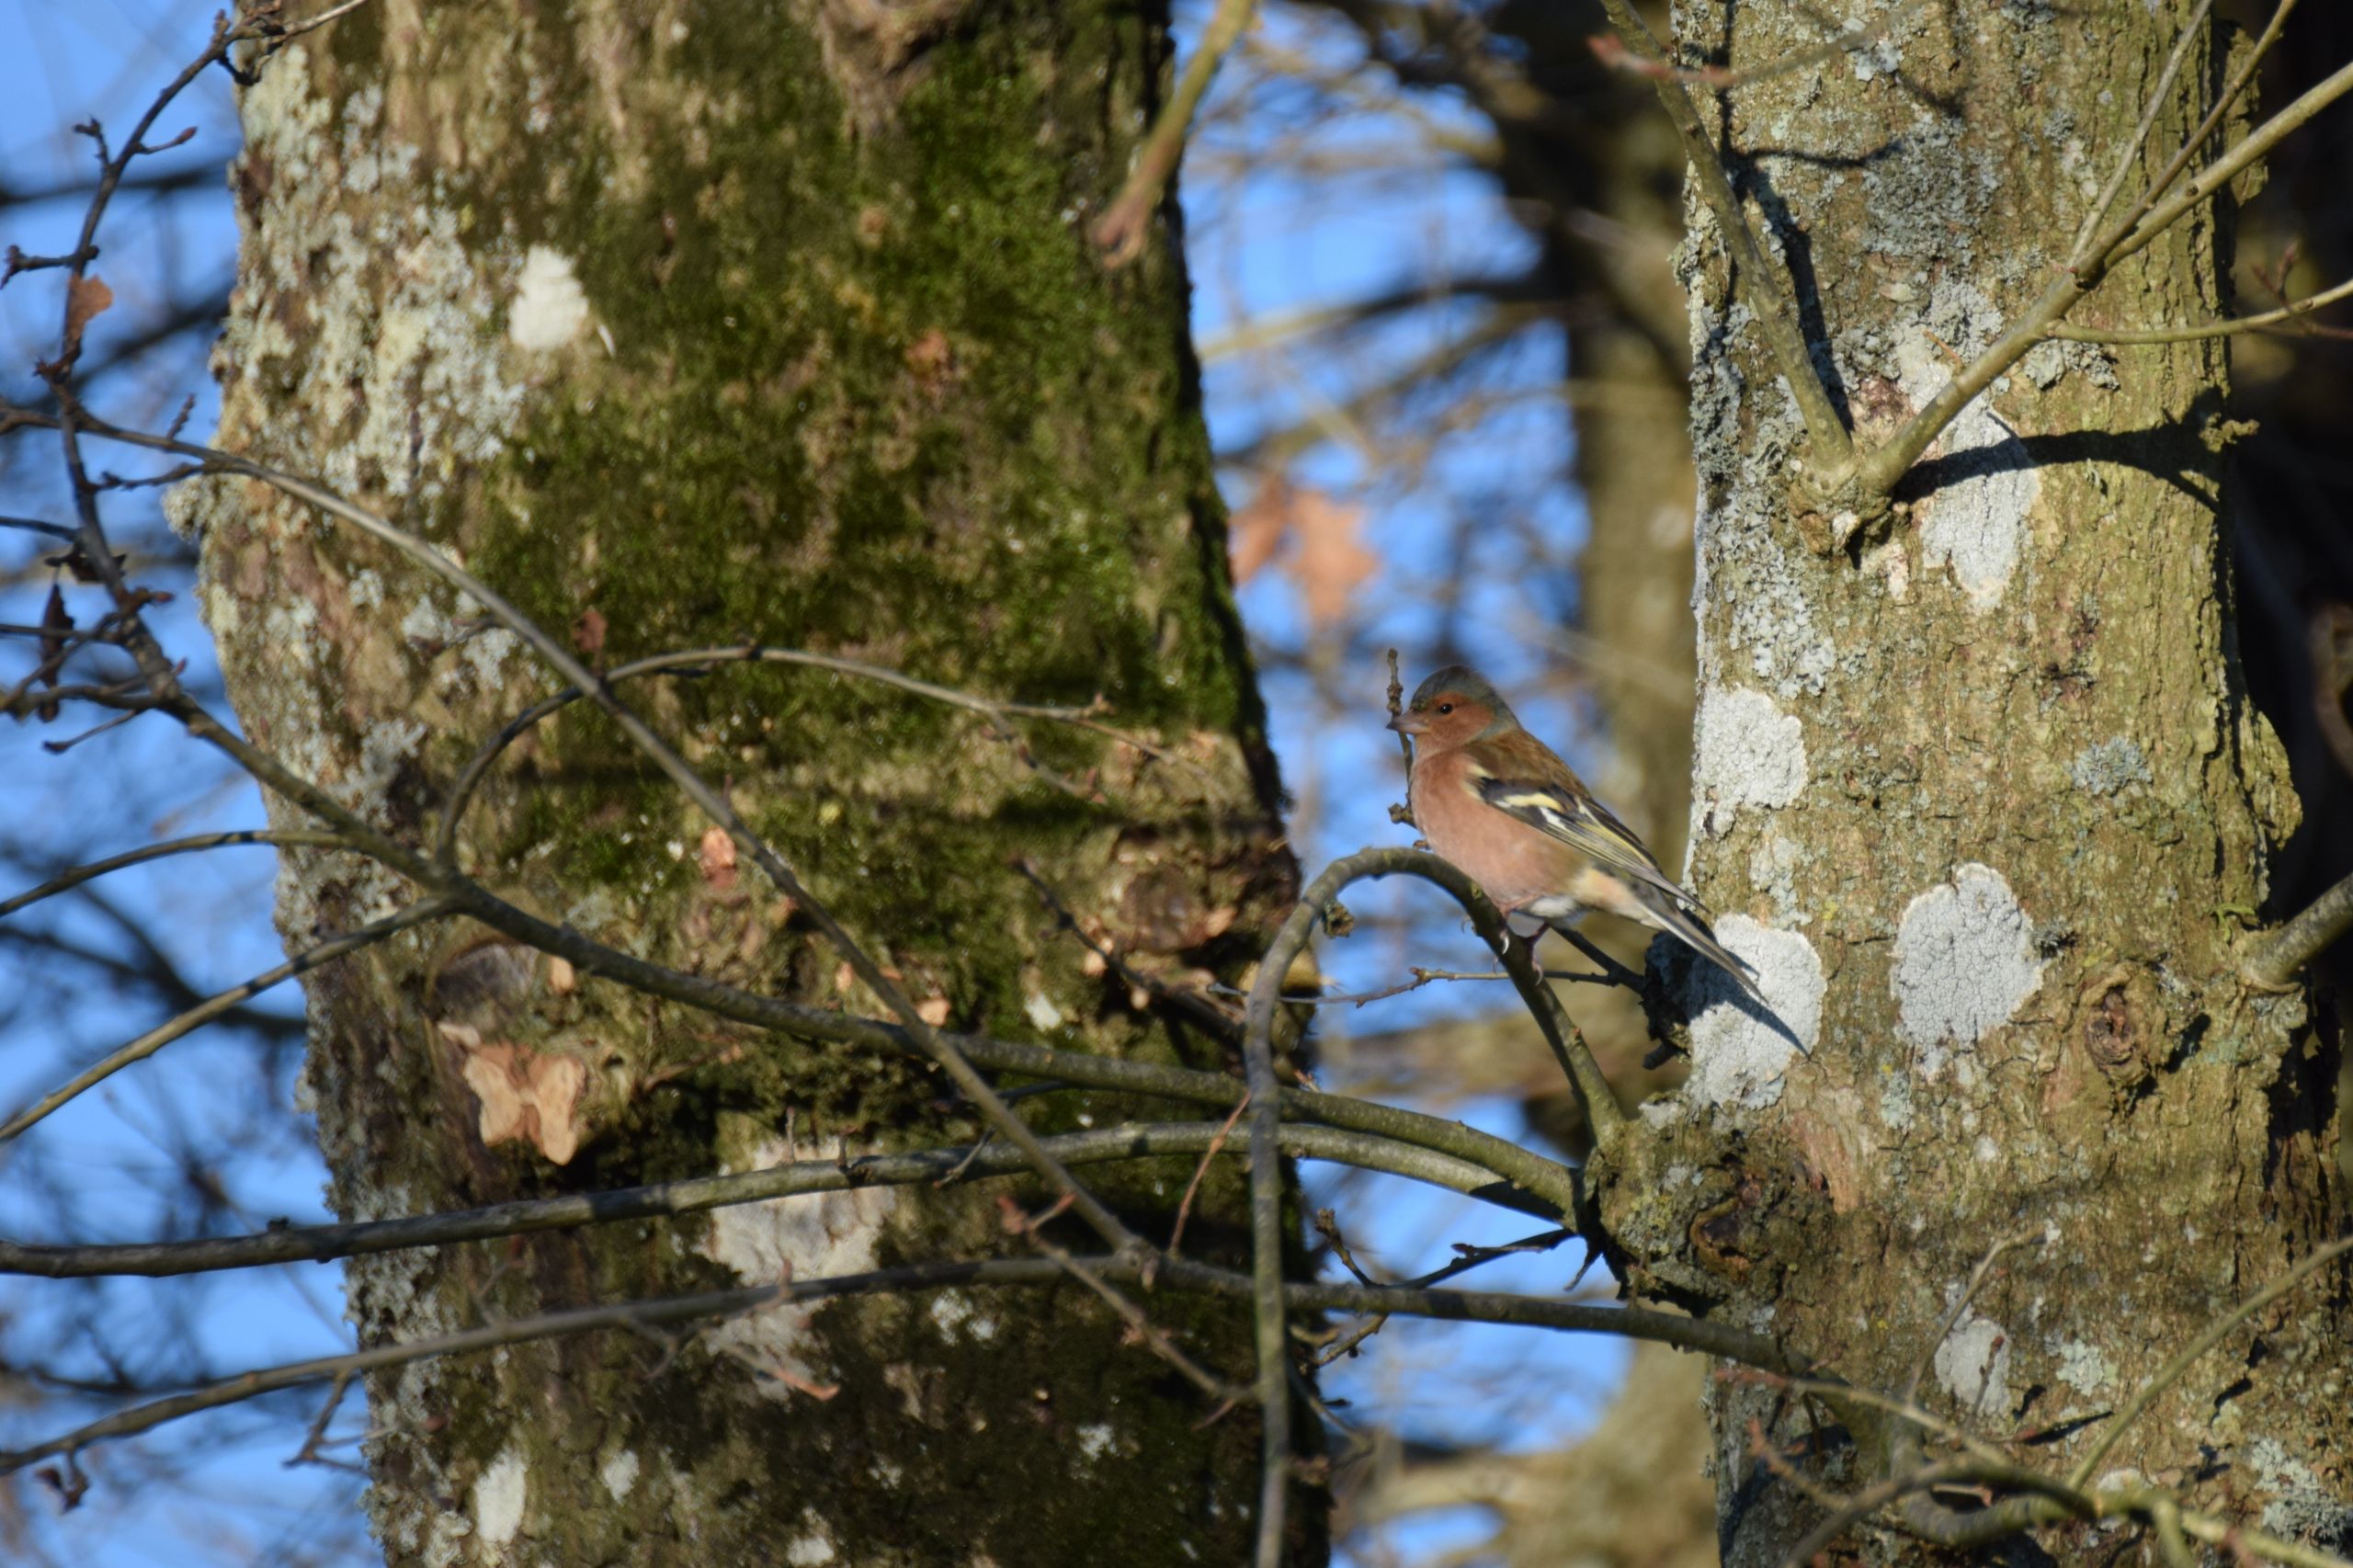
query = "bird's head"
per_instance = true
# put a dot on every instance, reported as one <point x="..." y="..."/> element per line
<point x="1452" y="708"/>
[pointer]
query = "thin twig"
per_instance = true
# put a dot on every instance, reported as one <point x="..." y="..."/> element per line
<point x="431" y="907"/>
<point x="2140" y="137"/>
<point x="2276" y="956"/>
<point x="64" y="880"/>
<point x="1185" y="1207"/>
<point x="2227" y="327"/>
<point x="1139" y="1325"/>
<point x="2241" y="78"/>
<point x="1753" y="276"/>
<point x="2173" y="1371"/>
<point x="1696" y="1334"/>
<point x="1120" y="230"/>
<point x="1977" y="1277"/>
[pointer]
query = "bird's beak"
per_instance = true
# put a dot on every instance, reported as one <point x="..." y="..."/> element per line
<point x="1408" y="723"/>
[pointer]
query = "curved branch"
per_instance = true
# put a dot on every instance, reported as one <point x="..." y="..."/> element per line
<point x="320" y="1244"/>
<point x="1266" y="1174"/>
<point x="66" y="880"/>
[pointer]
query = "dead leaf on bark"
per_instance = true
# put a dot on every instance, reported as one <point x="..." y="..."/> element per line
<point x="716" y="856"/>
<point x="529" y="1094"/>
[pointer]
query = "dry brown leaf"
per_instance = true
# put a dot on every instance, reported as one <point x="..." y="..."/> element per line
<point x="85" y="299"/>
<point x="562" y="976"/>
<point x="1325" y="558"/>
<point x="933" y="1010"/>
<point x="716" y="856"/>
<point x="529" y="1094"/>
<point x="1255" y="530"/>
<point x="1331" y="563"/>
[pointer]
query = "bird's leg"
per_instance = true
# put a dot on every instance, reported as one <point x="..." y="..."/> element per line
<point x="1612" y="971"/>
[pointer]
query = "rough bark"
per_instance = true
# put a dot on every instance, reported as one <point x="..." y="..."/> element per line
<point x="692" y="323"/>
<point x="1980" y="800"/>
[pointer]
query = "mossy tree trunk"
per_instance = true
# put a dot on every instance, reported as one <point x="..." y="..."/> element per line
<point x="1984" y="803"/>
<point x="687" y="324"/>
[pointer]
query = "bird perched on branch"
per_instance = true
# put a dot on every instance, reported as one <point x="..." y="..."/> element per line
<point x="1497" y="803"/>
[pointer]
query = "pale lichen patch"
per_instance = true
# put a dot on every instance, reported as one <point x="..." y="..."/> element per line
<point x="1964" y="962"/>
<point x="1974" y="522"/>
<point x="1749" y="754"/>
<point x="499" y="1493"/>
<point x="2109" y="767"/>
<point x="1739" y="1057"/>
<point x="813" y="1548"/>
<point x="1974" y="1364"/>
<point x="619" y="1473"/>
<point x="809" y="1237"/>
<point x="548" y="308"/>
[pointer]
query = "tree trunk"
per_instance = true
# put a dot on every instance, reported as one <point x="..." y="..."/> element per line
<point x="1984" y="803"/>
<point x="687" y="324"/>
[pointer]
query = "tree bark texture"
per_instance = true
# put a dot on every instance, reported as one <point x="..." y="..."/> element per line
<point x="1984" y="803"/>
<point x="695" y="324"/>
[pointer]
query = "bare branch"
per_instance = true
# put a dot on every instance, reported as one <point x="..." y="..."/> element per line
<point x="319" y="1244"/>
<point x="1120" y="230"/>
<point x="2279" y="956"/>
<point x="2225" y="328"/>
<point x="2171" y="1371"/>
<point x="311" y="838"/>
<point x="431" y="907"/>
<point x="676" y="768"/>
<point x="1461" y="1306"/>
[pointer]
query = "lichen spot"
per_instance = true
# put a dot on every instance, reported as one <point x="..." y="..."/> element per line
<point x="813" y="1548"/>
<point x="1974" y="1364"/>
<point x="549" y="308"/>
<point x="810" y="1238"/>
<point x="1740" y="1053"/>
<point x="1974" y="519"/>
<point x="1750" y="754"/>
<point x="949" y="1311"/>
<point x="618" y="1474"/>
<point x="1964" y="963"/>
<point x="499" y="1493"/>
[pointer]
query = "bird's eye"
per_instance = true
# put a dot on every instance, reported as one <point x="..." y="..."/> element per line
<point x="1446" y="706"/>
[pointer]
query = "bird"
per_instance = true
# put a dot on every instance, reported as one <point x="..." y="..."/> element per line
<point x="1509" y="813"/>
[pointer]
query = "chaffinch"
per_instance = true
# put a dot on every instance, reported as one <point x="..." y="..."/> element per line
<point x="1496" y="802"/>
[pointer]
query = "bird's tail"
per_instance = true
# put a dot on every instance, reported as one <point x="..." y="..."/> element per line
<point x="1692" y="931"/>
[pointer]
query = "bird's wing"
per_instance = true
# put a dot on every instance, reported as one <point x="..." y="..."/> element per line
<point x="1584" y="824"/>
